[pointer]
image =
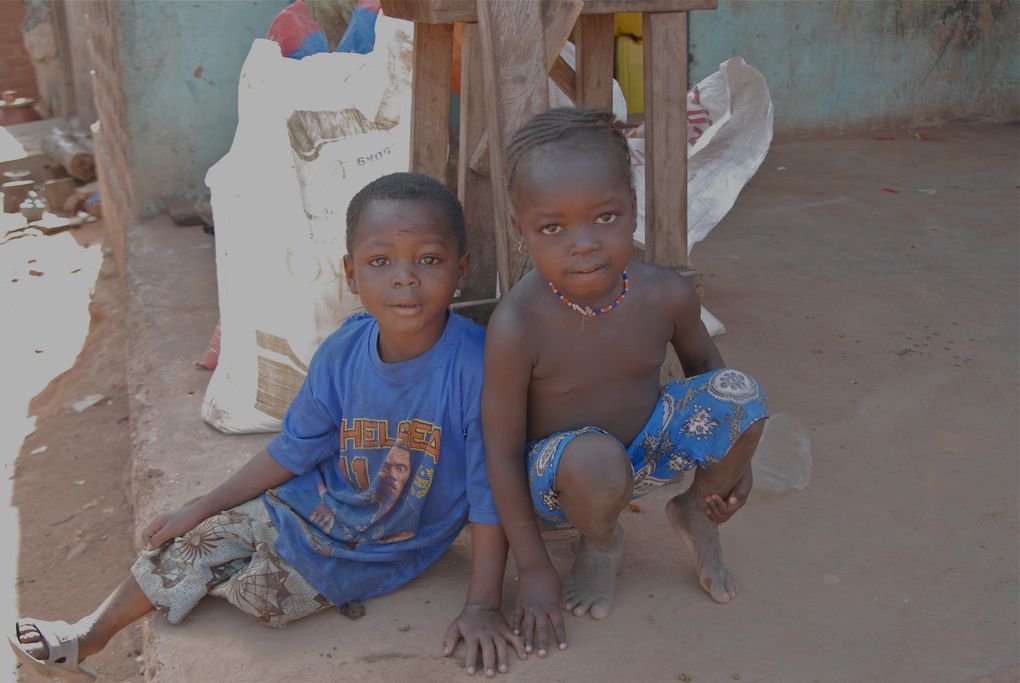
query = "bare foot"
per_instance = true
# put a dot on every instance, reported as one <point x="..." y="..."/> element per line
<point x="592" y="581"/>
<point x="701" y="536"/>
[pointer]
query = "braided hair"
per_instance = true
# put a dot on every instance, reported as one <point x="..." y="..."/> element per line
<point x="573" y="127"/>
<point x="408" y="186"/>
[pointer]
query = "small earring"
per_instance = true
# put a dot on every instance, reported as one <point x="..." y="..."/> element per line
<point x="520" y="247"/>
<point x="456" y="294"/>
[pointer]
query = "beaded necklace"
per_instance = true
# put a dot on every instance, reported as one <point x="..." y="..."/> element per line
<point x="587" y="312"/>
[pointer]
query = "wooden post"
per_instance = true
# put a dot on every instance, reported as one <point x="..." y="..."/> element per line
<point x="430" y="93"/>
<point x="665" y="73"/>
<point x="516" y="88"/>
<point x="594" y="37"/>
<point x="475" y="190"/>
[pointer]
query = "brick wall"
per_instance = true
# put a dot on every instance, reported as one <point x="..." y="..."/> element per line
<point x="16" y="70"/>
<point x="113" y="142"/>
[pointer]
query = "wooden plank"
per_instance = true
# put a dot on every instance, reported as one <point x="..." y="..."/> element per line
<point x="516" y="87"/>
<point x="613" y="6"/>
<point x="431" y="11"/>
<point x="558" y="19"/>
<point x="594" y="39"/>
<point x="565" y="78"/>
<point x="430" y="99"/>
<point x="665" y="74"/>
<point x="474" y="189"/>
<point x="449" y="11"/>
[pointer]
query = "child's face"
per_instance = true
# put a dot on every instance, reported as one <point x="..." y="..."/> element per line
<point x="576" y="214"/>
<point x="404" y="265"/>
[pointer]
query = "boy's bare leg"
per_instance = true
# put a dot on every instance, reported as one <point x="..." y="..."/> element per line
<point x="125" y="605"/>
<point x="595" y="482"/>
<point x="686" y="513"/>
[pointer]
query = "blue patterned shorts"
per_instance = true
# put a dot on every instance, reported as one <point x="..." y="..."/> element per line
<point x="694" y="424"/>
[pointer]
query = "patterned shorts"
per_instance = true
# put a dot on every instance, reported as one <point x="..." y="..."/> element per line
<point x="230" y="555"/>
<point x="694" y="424"/>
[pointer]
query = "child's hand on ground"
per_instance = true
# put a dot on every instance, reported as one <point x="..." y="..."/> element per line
<point x="484" y="630"/>
<point x="539" y="602"/>
<point x="169" y="526"/>
<point x="720" y="509"/>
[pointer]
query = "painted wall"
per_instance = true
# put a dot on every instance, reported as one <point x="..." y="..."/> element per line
<point x="180" y="63"/>
<point x="836" y="65"/>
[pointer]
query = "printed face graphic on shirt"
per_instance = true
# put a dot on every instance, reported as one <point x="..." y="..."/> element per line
<point x="392" y="478"/>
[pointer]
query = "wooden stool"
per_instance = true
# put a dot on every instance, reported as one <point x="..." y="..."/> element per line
<point x="504" y="82"/>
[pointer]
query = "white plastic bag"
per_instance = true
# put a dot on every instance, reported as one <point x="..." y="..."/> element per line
<point x="310" y="134"/>
<point x="729" y="129"/>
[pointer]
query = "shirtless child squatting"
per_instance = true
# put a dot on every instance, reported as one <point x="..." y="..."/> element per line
<point x="379" y="465"/>
<point x="574" y="419"/>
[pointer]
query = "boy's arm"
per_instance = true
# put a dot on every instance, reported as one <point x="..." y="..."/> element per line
<point x="260" y="473"/>
<point x="504" y="417"/>
<point x="481" y="624"/>
<point x="693" y="345"/>
<point x="698" y="354"/>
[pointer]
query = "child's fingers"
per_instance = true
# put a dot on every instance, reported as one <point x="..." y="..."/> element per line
<point x="529" y="632"/>
<point x="151" y="530"/>
<point x="470" y="654"/>
<point x="712" y="509"/>
<point x="451" y="639"/>
<point x="156" y="538"/>
<point x="542" y="633"/>
<point x="488" y="656"/>
<point x="515" y="641"/>
<point x="560" y="629"/>
<point x="502" y="654"/>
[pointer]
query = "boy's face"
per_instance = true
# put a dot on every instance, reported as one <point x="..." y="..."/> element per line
<point x="404" y="265"/>
<point x="576" y="213"/>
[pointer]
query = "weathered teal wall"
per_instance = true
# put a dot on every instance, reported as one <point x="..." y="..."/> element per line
<point x="836" y="65"/>
<point x="180" y="62"/>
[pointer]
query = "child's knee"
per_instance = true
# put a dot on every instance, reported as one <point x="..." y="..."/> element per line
<point x="597" y="466"/>
<point x="734" y="386"/>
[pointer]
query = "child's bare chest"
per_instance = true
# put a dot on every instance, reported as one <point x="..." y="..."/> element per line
<point x="603" y="373"/>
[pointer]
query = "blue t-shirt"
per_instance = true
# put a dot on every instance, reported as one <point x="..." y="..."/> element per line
<point x="388" y="459"/>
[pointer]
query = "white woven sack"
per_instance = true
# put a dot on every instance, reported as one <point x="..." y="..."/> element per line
<point x="729" y="130"/>
<point x="310" y="134"/>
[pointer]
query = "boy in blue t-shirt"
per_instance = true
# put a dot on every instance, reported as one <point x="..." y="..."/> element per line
<point x="379" y="465"/>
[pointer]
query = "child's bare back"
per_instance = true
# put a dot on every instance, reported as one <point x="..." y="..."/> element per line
<point x="572" y="362"/>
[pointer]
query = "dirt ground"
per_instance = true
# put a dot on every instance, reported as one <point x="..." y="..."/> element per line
<point x="73" y="498"/>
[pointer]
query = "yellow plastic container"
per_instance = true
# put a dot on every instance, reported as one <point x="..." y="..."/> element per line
<point x="630" y="71"/>
<point x="627" y="24"/>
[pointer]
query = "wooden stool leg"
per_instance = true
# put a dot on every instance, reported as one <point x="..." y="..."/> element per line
<point x="474" y="189"/>
<point x="594" y="36"/>
<point x="430" y="104"/>
<point x="665" y="72"/>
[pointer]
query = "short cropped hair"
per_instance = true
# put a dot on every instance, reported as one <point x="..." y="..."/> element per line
<point x="570" y="127"/>
<point x="409" y="186"/>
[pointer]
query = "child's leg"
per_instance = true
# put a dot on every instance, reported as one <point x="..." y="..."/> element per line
<point x="595" y="483"/>
<point x="686" y="513"/>
<point x="125" y="605"/>
<point x="173" y="578"/>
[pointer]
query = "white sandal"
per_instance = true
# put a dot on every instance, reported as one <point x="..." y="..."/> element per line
<point x="62" y="662"/>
